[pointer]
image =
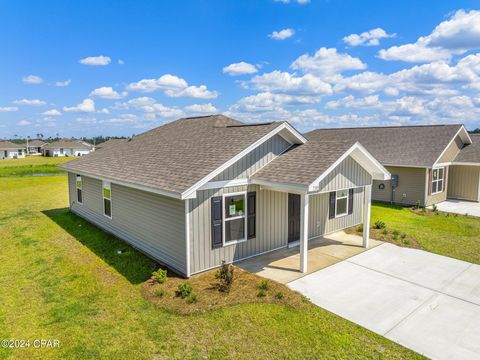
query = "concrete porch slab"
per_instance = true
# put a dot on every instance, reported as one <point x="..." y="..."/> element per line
<point x="283" y="265"/>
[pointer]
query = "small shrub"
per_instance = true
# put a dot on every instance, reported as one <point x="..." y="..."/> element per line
<point x="360" y="228"/>
<point x="434" y="208"/>
<point x="403" y="236"/>
<point x="225" y="275"/>
<point x="159" y="292"/>
<point x="406" y="241"/>
<point x="385" y="232"/>
<point x="184" y="290"/>
<point x="192" y="298"/>
<point x="264" y="285"/>
<point x="261" y="293"/>
<point x="396" y="232"/>
<point x="160" y="276"/>
<point x="417" y="204"/>
<point x="279" y="296"/>
<point x="424" y="210"/>
<point x="305" y="299"/>
<point x="394" y="237"/>
<point x="379" y="224"/>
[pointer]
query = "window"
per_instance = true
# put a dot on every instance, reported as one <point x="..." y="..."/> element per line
<point x="234" y="217"/>
<point x="107" y="199"/>
<point x="341" y="207"/>
<point x="61" y="150"/>
<point x="20" y="152"/>
<point x="79" y="185"/>
<point x="437" y="180"/>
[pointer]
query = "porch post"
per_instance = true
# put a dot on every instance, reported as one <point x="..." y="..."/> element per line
<point x="366" y="214"/>
<point x="303" y="232"/>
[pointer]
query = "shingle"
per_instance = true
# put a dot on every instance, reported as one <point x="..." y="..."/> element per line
<point x="68" y="144"/>
<point x="470" y="153"/>
<point x="396" y="145"/>
<point x="175" y="156"/>
<point x="5" y="145"/>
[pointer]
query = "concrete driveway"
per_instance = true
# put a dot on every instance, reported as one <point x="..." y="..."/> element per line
<point x="426" y="302"/>
<point x="460" y="207"/>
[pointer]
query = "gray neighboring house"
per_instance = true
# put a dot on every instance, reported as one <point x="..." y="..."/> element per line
<point x="429" y="162"/>
<point x="9" y="150"/>
<point x="35" y="146"/>
<point x="199" y="191"/>
<point x="68" y="148"/>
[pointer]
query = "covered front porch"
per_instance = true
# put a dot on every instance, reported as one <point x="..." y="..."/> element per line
<point x="283" y="265"/>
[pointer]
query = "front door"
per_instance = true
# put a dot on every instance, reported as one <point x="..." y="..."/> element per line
<point x="293" y="217"/>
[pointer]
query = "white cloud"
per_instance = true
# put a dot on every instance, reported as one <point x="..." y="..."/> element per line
<point x="87" y="105"/>
<point x="201" y="108"/>
<point x="52" y="112"/>
<point x="120" y="62"/>
<point x="107" y="92"/>
<point x="282" y="34"/>
<point x="454" y="36"/>
<point x="8" y="109"/>
<point x="301" y="2"/>
<point x="267" y="101"/>
<point x="286" y="82"/>
<point x="104" y="111"/>
<point x="151" y="108"/>
<point x="96" y="60"/>
<point x="327" y="63"/>
<point x="61" y="83"/>
<point x="352" y="102"/>
<point x="240" y="68"/>
<point x="367" y="38"/>
<point x="24" y="123"/>
<point x="172" y="86"/>
<point x="32" y="79"/>
<point x="30" y="102"/>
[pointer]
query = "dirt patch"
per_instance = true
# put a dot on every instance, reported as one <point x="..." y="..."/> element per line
<point x="388" y="235"/>
<point x="246" y="289"/>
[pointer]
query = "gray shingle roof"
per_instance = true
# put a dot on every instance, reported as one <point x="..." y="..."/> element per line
<point x="396" y="145"/>
<point x="36" y="143"/>
<point x="175" y="156"/>
<point x="5" y="145"/>
<point x="68" y="144"/>
<point x="109" y="143"/>
<point x="303" y="164"/>
<point x="470" y="153"/>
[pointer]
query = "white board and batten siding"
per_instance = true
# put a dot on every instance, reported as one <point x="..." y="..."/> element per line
<point x="152" y="223"/>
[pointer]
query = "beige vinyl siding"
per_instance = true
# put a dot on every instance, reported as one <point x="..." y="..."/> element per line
<point x="411" y="182"/>
<point x="463" y="182"/>
<point x="255" y="160"/>
<point x="318" y="222"/>
<point x="452" y="151"/>
<point x="152" y="223"/>
<point x="271" y="230"/>
<point x="347" y="174"/>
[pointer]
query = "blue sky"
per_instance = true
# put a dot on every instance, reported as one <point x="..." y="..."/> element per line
<point x="85" y="68"/>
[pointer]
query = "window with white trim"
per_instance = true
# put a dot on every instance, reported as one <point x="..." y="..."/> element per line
<point x="79" y="186"/>
<point x="341" y="206"/>
<point x="438" y="180"/>
<point x="234" y="222"/>
<point x="107" y="199"/>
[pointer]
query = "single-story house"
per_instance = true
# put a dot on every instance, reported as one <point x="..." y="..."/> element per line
<point x="428" y="163"/>
<point x="9" y="150"/>
<point x="67" y="148"/>
<point x="34" y="146"/>
<point x="212" y="189"/>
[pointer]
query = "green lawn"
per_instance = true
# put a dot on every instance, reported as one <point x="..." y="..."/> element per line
<point x="61" y="278"/>
<point x="449" y="235"/>
<point x="32" y="165"/>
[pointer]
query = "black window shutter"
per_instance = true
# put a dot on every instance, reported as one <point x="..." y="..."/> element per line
<point x="350" y="201"/>
<point x="251" y="214"/>
<point x="331" y="209"/>
<point x="217" y="230"/>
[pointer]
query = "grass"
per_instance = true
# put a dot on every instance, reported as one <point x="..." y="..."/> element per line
<point x="446" y="234"/>
<point x="62" y="278"/>
<point x="32" y="165"/>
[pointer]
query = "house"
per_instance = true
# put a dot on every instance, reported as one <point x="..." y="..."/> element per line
<point x="428" y="163"/>
<point x="9" y="150"/>
<point x="67" y="148"/>
<point x="212" y="189"/>
<point x="35" y="146"/>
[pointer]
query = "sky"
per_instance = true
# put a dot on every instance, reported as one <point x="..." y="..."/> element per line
<point x="90" y="68"/>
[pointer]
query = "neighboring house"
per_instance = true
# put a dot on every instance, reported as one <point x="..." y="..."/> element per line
<point x="212" y="189"/>
<point x="109" y="143"/>
<point x="67" y="148"/>
<point x="423" y="161"/>
<point x="34" y="146"/>
<point x="9" y="150"/>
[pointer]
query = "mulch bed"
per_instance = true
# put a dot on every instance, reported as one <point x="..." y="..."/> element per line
<point x="244" y="290"/>
<point x="388" y="235"/>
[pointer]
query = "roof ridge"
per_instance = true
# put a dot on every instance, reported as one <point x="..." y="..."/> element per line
<point x="386" y="127"/>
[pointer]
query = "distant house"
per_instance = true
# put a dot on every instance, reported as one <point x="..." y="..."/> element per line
<point x="67" y="148"/>
<point x="199" y="191"/>
<point x="34" y="146"/>
<point x="9" y="150"/>
<point x="428" y="163"/>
